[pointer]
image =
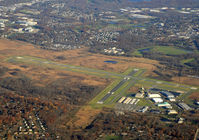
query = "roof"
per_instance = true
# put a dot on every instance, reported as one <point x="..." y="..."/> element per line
<point x="184" y="106"/>
<point x="154" y="96"/>
<point x="157" y="100"/>
<point x="172" y="112"/>
<point x="166" y="93"/>
<point x="164" y="104"/>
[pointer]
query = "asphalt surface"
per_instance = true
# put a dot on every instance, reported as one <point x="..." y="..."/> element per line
<point x="113" y="90"/>
<point x="117" y="87"/>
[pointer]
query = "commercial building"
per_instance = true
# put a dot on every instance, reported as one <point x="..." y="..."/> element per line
<point x="154" y="95"/>
<point x="172" y="99"/>
<point x="167" y="94"/>
<point x="127" y="101"/>
<point x="170" y="112"/>
<point x="180" y="120"/>
<point x="133" y="101"/>
<point x="184" y="106"/>
<point x="122" y="99"/>
<point x="157" y="100"/>
<point x="165" y="104"/>
<point x="139" y="95"/>
<point x="144" y="109"/>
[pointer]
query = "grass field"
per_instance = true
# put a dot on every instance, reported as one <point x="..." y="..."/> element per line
<point x="167" y="50"/>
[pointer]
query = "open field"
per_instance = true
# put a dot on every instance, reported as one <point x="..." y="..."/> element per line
<point x="82" y="67"/>
<point x="51" y="64"/>
<point x="79" y="57"/>
<point x="167" y="50"/>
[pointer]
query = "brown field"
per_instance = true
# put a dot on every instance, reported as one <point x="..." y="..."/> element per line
<point x="186" y="80"/>
<point x="195" y="96"/>
<point x="84" y="117"/>
<point x="79" y="57"/>
<point x="134" y="89"/>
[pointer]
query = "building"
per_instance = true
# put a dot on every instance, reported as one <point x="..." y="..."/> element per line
<point x="121" y="99"/>
<point x="154" y="95"/>
<point x="172" y="99"/>
<point x="133" y="101"/>
<point x="165" y="104"/>
<point x="157" y="100"/>
<point x="170" y="112"/>
<point x="180" y="120"/>
<point x="184" y="106"/>
<point x="144" y="109"/>
<point x="139" y="95"/>
<point x="127" y="101"/>
<point x="167" y="94"/>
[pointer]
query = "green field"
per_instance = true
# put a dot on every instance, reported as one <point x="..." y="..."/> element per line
<point x="167" y="50"/>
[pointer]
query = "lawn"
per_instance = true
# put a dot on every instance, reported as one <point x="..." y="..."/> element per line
<point x="169" y="50"/>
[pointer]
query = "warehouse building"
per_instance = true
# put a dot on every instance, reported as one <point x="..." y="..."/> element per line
<point x="154" y="95"/>
<point x="184" y="106"/>
<point x="157" y="100"/>
<point x="171" y="112"/>
<point x="122" y="99"/>
<point x="165" y="104"/>
<point x="167" y="94"/>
